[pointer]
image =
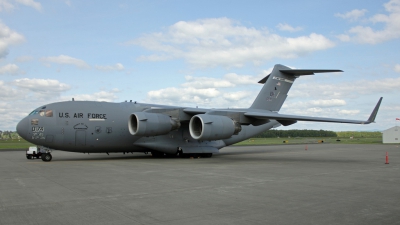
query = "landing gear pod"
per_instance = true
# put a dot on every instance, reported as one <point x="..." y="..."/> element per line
<point x="212" y="127"/>
<point x="151" y="124"/>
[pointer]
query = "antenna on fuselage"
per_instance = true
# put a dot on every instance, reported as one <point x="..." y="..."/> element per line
<point x="73" y="99"/>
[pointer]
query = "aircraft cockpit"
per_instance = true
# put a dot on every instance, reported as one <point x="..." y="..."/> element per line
<point x="42" y="112"/>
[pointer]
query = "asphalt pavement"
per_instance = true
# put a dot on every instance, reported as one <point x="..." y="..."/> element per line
<point x="285" y="184"/>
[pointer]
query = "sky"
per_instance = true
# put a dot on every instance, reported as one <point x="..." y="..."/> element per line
<point x="208" y="54"/>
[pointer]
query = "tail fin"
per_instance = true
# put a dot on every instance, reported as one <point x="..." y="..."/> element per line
<point x="277" y="84"/>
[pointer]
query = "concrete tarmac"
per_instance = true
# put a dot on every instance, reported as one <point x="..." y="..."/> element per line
<point x="285" y="184"/>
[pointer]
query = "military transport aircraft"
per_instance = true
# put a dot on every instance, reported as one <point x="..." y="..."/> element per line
<point x="94" y="127"/>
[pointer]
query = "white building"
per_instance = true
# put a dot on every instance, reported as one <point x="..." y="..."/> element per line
<point x="391" y="135"/>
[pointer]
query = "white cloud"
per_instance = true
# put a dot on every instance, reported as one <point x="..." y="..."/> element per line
<point x="107" y="96"/>
<point x="41" y="85"/>
<point x="10" y="69"/>
<point x="346" y="89"/>
<point x="116" y="67"/>
<point x="30" y="3"/>
<point x="6" y="5"/>
<point x="287" y="27"/>
<point x="224" y="42"/>
<point x="397" y="68"/>
<point x="242" y="79"/>
<point x="8" y="93"/>
<point x="229" y="80"/>
<point x="206" y="97"/>
<point x="348" y="112"/>
<point x="8" y="37"/>
<point x="327" y="102"/>
<point x="368" y="35"/>
<point x="67" y="60"/>
<point x="236" y="96"/>
<point x="352" y="15"/>
<point x="206" y="82"/>
<point x="209" y="92"/>
<point x="188" y="95"/>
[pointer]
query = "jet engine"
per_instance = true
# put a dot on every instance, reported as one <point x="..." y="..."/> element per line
<point x="212" y="127"/>
<point x="151" y="124"/>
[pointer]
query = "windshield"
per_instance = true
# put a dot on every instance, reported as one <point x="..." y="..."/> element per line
<point x="47" y="113"/>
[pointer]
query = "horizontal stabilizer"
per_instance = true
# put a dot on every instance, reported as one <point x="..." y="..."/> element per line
<point x="299" y="72"/>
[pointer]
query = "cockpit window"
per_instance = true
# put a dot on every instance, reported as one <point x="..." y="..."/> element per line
<point x="34" y="121"/>
<point x="33" y="112"/>
<point x="49" y="113"/>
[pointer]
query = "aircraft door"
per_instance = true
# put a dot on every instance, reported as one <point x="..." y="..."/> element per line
<point x="80" y="138"/>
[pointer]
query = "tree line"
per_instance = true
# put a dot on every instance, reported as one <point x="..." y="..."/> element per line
<point x="296" y="133"/>
<point x="6" y="134"/>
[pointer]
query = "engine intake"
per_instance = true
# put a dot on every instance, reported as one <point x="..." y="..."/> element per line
<point x="151" y="124"/>
<point x="212" y="127"/>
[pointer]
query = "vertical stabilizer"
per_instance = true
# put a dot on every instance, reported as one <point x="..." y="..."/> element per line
<point x="275" y="89"/>
<point x="277" y="84"/>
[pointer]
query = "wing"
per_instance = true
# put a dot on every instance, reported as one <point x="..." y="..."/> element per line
<point x="277" y="116"/>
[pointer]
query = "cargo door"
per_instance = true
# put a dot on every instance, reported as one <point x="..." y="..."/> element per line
<point x="80" y="138"/>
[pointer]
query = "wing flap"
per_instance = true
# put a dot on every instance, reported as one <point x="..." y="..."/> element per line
<point x="194" y="111"/>
<point x="277" y="116"/>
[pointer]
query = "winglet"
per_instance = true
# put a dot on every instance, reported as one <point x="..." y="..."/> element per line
<point x="371" y="118"/>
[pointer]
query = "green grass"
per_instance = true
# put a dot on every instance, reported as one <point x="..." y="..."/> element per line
<point x="14" y="144"/>
<point x="22" y="144"/>
<point x="309" y="140"/>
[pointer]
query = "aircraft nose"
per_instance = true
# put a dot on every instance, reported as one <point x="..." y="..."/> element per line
<point x="22" y="128"/>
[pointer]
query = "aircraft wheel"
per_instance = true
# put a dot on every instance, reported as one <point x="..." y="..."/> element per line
<point x="207" y="155"/>
<point x="157" y="154"/>
<point x="183" y="155"/>
<point x="47" y="157"/>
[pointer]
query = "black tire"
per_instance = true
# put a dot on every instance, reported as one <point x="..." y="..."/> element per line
<point x="206" y="155"/>
<point x="47" y="157"/>
<point x="29" y="156"/>
<point x="157" y="154"/>
<point x="183" y="155"/>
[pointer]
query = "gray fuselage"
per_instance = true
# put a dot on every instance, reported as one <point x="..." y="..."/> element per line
<point x="86" y="126"/>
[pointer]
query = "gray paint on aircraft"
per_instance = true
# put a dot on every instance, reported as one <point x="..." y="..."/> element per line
<point x="88" y="126"/>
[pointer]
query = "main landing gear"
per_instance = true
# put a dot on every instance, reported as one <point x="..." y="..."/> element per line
<point x="193" y="155"/>
<point x="180" y="154"/>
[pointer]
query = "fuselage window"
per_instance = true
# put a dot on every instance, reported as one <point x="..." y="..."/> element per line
<point x="49" y="113"/>
<point x="35" y="122"/>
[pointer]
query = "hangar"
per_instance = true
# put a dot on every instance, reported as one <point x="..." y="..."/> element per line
<point x="391" y="135"/>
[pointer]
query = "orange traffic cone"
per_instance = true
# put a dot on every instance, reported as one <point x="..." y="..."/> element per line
<point x="387" y="158"/>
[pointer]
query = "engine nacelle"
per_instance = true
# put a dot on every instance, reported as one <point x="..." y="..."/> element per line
<point x="151" y="124"/>
<point x="212" y="127"/>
